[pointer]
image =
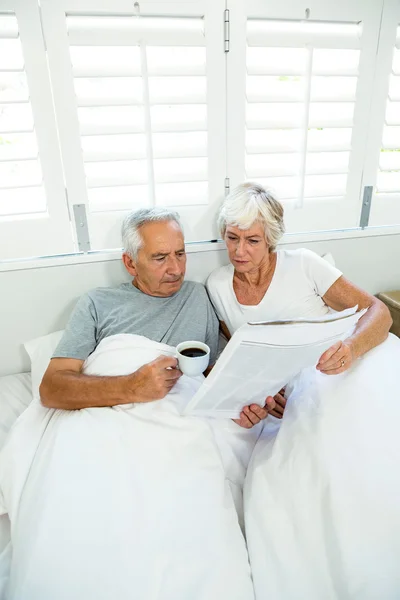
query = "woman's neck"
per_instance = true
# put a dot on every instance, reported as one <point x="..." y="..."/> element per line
<point x="261" y="275"/>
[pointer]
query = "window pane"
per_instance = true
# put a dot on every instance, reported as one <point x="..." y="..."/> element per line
<point x="15" y="117"/>
<point x="103" y="91"/>
<point x="180" y="169"/>
<point x="23" y="173"/>
<point x="181" y="194"/>
<point x="118" y="198"/>
<point x="170" y="60"/>
<point x="14" y="146"/>
<point x="119" y="119"/>
<point x="105" y="60"/>
<point x="113" y="147"/>
<point x="11" y="58"/>
<point x="13" y="87"/>
<point x="181" y="90"/>
<point x="190" y="117"/>
<point x="22" y="201"/>
<point x="121" y="172"/>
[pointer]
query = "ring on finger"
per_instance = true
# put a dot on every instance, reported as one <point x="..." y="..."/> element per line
<point x="342" y="362"/>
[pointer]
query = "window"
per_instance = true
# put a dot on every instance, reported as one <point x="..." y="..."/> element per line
<point x="389" y="161"/>
<point x="143" y="96"/>
<point x="33" y="212"/>
<point x="382" y="162"/>
<point x="106" y="107"/>
<point x="305" y="82"/>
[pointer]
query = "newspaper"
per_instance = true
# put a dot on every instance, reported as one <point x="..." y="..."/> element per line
<point x="262" y="357"/>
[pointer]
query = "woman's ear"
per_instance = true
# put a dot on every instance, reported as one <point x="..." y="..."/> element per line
<point x="129" y="263"/>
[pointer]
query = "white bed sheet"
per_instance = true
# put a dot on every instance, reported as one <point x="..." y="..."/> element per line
<point x="15" y="395"/>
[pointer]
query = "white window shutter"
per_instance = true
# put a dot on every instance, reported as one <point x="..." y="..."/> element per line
<point x="303" y="78"/>
<point x="382" y="163"/>
<point x="140" y="101"/>
<point x="33" y="209"/>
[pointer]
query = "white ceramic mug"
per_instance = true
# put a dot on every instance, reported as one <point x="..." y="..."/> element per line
<point x="192" y="365"/>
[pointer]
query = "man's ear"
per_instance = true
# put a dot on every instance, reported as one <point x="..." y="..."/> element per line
<point x="130" y="264"/>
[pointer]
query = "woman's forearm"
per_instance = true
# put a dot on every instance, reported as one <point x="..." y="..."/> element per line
<point x="371" y="330"/>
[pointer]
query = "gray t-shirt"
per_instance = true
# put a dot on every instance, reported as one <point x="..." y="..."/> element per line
<point x="187" y="315"/>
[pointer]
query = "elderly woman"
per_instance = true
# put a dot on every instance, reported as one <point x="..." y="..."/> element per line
<point x="322" y="492"/>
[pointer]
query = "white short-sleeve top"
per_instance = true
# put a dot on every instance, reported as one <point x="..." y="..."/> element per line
<point x="300" y="280"/>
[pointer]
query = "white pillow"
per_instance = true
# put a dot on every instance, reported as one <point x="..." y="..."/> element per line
<point x="15" y="395"/>
<point x="40" y="351"/>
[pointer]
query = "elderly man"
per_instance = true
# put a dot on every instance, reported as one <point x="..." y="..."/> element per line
<point x="124" y="498"/>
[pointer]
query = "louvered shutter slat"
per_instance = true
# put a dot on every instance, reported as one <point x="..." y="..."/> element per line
<point x="176" y="61"/>
<point x="113" y="147"/>
<point x="335" y="61"/>
<point x="178" y="194"/>
<point x="122" y="119"/>
<point x="22" y="201"/>
<point x="106" y="174"/>
<point x="109" y="91"/>
<point x="104" y="199"/>
<point x="274" y="116"/>
<point x="19" y="146"/>
<point x="13" y="87"/>
<point x="177" y="90"/>
<point x="272" y="165"/>
<point x="293" y="33"/>
<point x="394" y="88"/>
<point x="257" y="142"/>
<point x="389" y="161"/>
<point x="388" y="179"/>
<point x="16" y="117"/>
<point x="20" y="174"/>
<point x="179" y="118"/>
<point x="172" y="145"/>
<point x="125" y="31"/>
<point x="108" y="61"/>
<point x="180" y="169"/>
<point x="393" y="114"/>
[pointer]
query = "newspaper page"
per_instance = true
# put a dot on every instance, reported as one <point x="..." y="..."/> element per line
<point x="262" y="357"/>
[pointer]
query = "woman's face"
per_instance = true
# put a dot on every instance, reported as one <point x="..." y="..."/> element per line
<point x="247" y="248"/>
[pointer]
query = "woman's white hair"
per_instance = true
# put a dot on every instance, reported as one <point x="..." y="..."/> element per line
<point x="249" y="203"/>
<point x="130" y="231"/>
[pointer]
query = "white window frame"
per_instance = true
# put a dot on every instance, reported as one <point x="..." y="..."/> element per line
<point x="312" y="216"/>
<point x="50" y="232"/>
<point x="199" y="220"/>
<point x="385" y="208"/>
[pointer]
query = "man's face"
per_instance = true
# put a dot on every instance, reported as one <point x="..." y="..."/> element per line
<point x="161" y="262"/>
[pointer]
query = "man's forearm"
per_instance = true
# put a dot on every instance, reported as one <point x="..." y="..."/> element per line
<point x="69" y="390"/>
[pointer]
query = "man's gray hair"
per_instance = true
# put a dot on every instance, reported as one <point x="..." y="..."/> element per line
<point x="131" y="238"/>
<point x="249" y="203"/>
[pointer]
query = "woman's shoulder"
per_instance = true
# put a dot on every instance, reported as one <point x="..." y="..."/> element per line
<point x="294" y="258"/>
<point x="219" y="278"/>
<point x="297" y="254"/>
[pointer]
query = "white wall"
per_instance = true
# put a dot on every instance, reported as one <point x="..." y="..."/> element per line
<point x="36" y="301"/>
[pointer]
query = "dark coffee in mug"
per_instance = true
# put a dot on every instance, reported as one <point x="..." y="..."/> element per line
<point x="193" y="352"/>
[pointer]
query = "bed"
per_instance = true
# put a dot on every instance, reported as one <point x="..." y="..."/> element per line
<point x="15" y="395"/>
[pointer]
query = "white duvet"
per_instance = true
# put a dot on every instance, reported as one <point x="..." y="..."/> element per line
<point x="322" y="494"/>
<point x="130" y="502"/>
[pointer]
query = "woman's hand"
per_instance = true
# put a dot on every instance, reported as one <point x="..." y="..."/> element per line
<point x="253" y="414"/>
<point x="337" y="359"/>
<point x="280" y="405"/>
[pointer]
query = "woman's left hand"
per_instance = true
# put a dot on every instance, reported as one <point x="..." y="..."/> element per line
<point x="337" y="359"/>
<point x="253" y="414"/>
